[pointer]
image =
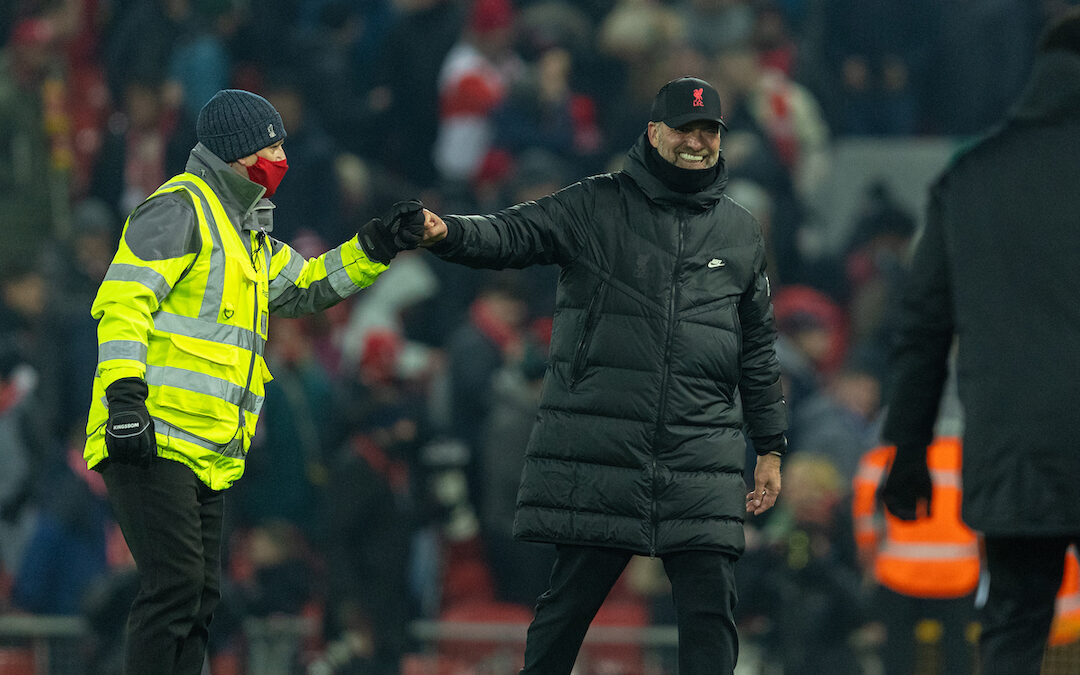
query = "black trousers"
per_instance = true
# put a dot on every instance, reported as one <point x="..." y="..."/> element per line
<point x="1025" y="575"/>
<point x="703" y="591"/>
<point x="172" y="523"/>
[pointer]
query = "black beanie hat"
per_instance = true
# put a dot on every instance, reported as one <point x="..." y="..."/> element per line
<point x="235" y="123"/>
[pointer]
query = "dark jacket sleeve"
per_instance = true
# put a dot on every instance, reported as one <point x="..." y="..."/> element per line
<point x="920" y="355"/>
<point x="762" y="393"/>
<point x="546" y="231"/>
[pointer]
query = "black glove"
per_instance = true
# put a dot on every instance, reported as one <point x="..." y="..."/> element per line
<point x="907" y="490"/>
<point x="402" y="229"/>
<point x="129" y="433"/>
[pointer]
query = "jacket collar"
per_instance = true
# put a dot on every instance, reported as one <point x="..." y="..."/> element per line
<point x="655" y="189"/>
<point x="1053" y="91"/>
<point x="243" y="199"/>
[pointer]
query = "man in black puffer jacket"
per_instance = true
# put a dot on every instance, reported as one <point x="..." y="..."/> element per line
<point x="996" y="270"/>
<point x="662" y="353"/>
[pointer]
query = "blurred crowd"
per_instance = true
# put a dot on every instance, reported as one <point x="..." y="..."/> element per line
<point x="381" y="488"/>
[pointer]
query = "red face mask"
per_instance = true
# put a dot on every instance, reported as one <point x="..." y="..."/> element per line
<point x="268" y="174"/>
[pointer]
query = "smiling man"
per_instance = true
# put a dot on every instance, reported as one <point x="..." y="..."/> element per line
<point x="662" y="353"/>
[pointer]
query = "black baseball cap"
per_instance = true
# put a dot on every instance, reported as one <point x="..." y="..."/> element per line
<point x="686" y="100"/>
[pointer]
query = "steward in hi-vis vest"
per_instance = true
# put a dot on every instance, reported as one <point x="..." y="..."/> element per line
<point x="185" y="307"/>
<point x="926" y="570"/>
<point x="183" y="322"/>
<point x="933" y="557"/>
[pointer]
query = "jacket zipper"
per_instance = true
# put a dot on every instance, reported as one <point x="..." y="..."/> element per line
<point x="261" y="237"/>
<point x="672" y="307"/>
<point x="577" y="366"/>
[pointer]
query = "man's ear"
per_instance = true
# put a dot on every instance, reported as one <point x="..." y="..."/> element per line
<point x="249" y="160"/>
<point x="653" y="133"/>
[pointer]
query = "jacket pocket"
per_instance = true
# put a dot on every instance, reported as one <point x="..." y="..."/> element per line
<point x="592" y="318"/>
<point x="198" y="390"/>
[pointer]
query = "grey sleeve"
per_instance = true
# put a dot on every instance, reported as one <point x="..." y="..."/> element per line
<point x="163" y="227"/>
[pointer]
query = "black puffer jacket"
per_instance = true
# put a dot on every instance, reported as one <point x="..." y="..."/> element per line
<point x="996" y="266"/>
<point x="662" y="342"/>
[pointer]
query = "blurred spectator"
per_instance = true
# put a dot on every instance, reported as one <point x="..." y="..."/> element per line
<point x="324" y="46"/>
<point x="310" y="198"/>
<point x="542" y="111"/>
<point x="405" y="89"/>
<point x="39" y="337"/>
<point x="797" y="307"/>
<point x="281" y="576"/>
<point x="772" y="38"/>
<point x="801" y="576"/>
<point x="36" y="153"/>
<point x="371" y="520"/>
<point x="520" y="569"/>
<point x="491" y="338"/>
<point x="65" y="553"/>
<point x="786" y="112"/>
<point x="874" y="264"/>
<point x="143" y="37"/>
<point x="22" y="447"/>
<point x="200" y="65"/>
<point x="981" y="53"/>
<point x="802" y="344"/>
<point x="142" y="147"/>
<point x="714" y="25"/>
<point x="876" y="53"/>
<point x="924" y="572"/>
<point x="640" y="41"/>
<point x="474" y="79"/>
<point x="106" y="605"/>
<point x="838" y="421"/>
<point x="286" y="476"/>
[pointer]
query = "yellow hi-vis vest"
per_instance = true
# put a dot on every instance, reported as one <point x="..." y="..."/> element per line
<point x="195" y="327"/>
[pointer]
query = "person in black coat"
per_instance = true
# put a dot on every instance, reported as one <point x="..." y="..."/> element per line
<point x="662" y="353"/>
<point x="996" y="268"/>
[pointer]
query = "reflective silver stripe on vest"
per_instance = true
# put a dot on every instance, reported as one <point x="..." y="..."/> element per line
<point x="140" y="275"/>
<point x="287" y="277"/>
<point x="339" y="278"/>
<point x="1067" y="604"/>
<point x="945" y="478"/>
<point x="234" y="449"/>
<point x="864" y="524"/>
<point x="201" y="383"/>
<point x="215" y="278"/>
<point x="121" y="349"/>
<point x="235" y="336"/>
<point x="929" y="551"/>
<point x="869" y="473"/>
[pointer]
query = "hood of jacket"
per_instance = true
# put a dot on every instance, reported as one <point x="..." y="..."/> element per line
<point x="1053" y="90"/>
<point x="655" y="189"/>
<point x="243" y="199"/>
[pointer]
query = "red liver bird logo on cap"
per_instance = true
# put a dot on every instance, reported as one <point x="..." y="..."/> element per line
<point x="698" y="102"/>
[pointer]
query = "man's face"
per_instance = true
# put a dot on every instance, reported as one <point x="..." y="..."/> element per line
<point x="694" y="146"/>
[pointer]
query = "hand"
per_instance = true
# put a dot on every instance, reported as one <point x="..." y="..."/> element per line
<point x="908" y="488"/>
<point x="129" y="432"/>
<point x="766" y="484"/>
<point x="402" y="229"/>
<point x="434" y="229"/>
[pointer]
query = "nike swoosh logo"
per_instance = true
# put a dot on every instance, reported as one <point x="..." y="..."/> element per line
<point x="716" y="262"/>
